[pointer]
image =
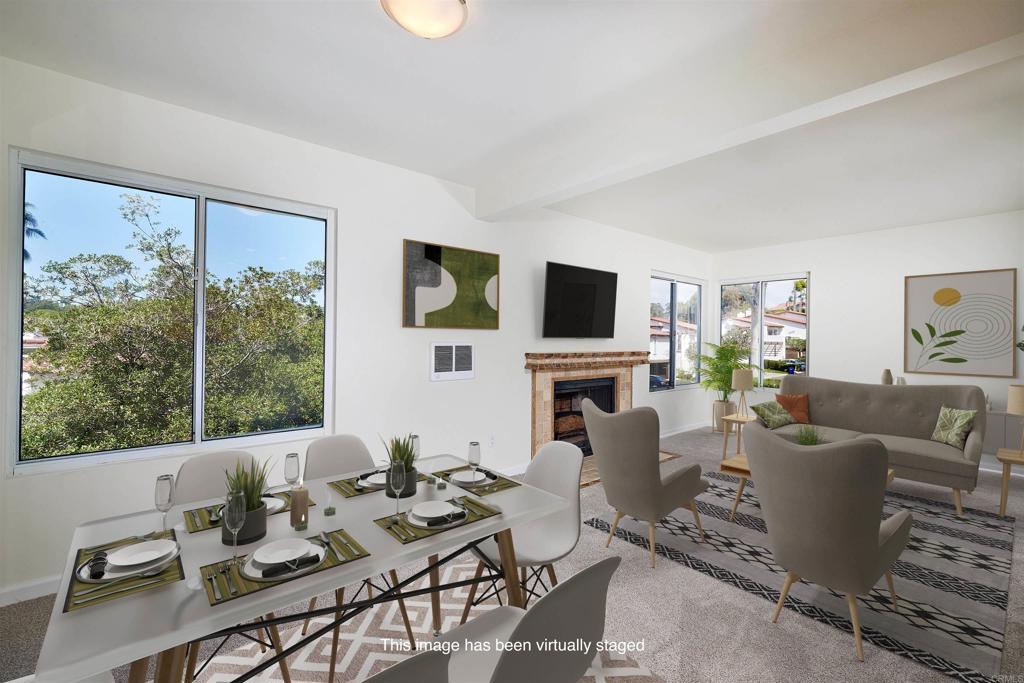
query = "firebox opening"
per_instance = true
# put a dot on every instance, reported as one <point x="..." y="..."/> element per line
<point x="568" y="411"/>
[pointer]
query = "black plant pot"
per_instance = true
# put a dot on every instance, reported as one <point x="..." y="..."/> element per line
<point x="254" y="529"/>
<point x="410" y="485"/>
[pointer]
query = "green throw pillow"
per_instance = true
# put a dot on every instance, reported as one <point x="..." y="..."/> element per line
<point x="773" y="414"/>
<point x="953" y="426"/>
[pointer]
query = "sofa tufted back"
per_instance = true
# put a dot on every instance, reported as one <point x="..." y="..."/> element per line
<point x="884" y="409"/>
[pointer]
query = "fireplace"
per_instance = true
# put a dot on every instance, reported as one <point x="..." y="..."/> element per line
<point x="612" y="371"/>
<point x="568" y="414"/>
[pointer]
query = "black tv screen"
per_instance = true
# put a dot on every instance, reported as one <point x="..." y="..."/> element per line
<point x="579" y="302"/>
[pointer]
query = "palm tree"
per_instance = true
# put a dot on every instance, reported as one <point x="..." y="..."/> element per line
<point x="31" y="228"/>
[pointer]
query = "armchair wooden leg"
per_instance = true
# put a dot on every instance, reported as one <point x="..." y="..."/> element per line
<point x="551" y="575"/>
<point x="405" y="614"/>
<point x="611" y="532"/>
<point x="650" y="540"/>
<point x="305" y="624"/>
<point x="472" y="592"/>
<point x="275" y="638"/>
<point x="956" y="501"/>
<point x="696" y="518"/>
<point x="892" y="590"/>
<point x="851" y="600"/>
<point x="339" y="600"/>
<point x="786" y="585"/>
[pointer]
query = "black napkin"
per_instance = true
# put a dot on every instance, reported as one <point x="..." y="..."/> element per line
<point x="289" y="567"/>
<point x="441" y="521"/>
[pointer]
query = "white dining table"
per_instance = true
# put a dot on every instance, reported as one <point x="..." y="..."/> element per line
<point x="93" y="640"/>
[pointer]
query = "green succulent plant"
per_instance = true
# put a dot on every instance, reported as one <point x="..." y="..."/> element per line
<point x="250" y="481"/>
<point x="807" y="436"/>
<point x="401" y="451"/>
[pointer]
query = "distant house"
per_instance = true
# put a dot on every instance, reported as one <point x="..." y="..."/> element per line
<point x="661" y="343"/>
<point x="30" y="370"/>
<point x="779" y="326"/>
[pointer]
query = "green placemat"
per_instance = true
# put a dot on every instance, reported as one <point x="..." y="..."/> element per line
<point x="403" y="532"/>
<point x="199" y="518"/>
<point x="83" y="594"/>
<point x="347" y="487"/>
<point x="218" y="572"/>
<point x="500" y="484"/>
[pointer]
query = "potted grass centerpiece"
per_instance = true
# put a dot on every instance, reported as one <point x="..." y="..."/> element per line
<point x="251" y="482"/>
<point x="402" y="453"/>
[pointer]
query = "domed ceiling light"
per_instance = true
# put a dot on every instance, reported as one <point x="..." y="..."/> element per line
<point x="427" y="18"/>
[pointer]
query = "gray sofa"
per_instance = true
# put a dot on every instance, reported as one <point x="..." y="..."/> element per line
<point x="902" y="418"/>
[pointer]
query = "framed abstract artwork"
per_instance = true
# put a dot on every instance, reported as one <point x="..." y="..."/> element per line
<point x="448" y="287"/>
<point x="961" y="323"/>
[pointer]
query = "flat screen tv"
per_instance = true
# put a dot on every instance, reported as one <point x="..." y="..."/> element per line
<point x="579" y="302"/>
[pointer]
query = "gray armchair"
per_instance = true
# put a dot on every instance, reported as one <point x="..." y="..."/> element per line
<point x="823" y="507"/>
<point x="626" y="445"/>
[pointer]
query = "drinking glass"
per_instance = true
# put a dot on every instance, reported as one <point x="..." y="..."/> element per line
<point x="291" y="468"/>
<point x="234" y="518"/>
<point x="416" y="445"/>
<point x="474" y="457"/>
<point x="163" y="496"/>
<point x="396" y="482"/>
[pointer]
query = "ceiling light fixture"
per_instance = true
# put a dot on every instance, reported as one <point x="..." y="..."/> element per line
<point x="427" y="18"/>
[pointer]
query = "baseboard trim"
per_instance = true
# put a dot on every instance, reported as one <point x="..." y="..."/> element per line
<point x="28" y="590"/>
<point x="686" y="428"/>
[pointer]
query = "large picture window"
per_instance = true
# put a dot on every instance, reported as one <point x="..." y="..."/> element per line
<point x="154" y="317"/>
<point x="768" y="318"/>
<point x="674" y="333"/>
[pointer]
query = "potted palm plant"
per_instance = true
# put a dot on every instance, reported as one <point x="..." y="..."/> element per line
<point x="716" y="371"/>
<point x="251" y="482"/>
<point x="402" y="453"/>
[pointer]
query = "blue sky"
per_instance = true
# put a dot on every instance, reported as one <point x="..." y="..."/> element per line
<point x="81" y="216"/>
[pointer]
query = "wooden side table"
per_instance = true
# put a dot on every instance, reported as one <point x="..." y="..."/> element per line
<point x="1009" y="458"/>
<point x="727" y="422"/>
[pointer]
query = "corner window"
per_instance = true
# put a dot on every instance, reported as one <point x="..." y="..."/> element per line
<point x="675" y="332"/>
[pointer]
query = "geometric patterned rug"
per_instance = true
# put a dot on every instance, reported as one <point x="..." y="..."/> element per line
<point x="951" y="580"/>
<point x="361" y="645"/>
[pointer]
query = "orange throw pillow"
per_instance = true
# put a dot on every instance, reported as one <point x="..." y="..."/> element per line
<point x="796" y="405"/>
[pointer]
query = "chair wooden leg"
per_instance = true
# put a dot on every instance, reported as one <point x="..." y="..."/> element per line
<point x="786" y="585"/>
<point x="696" y="518"/>
<point x="275" y="638"/>
<point x="851" y="600"/>
<point x="551" y="575"/>
<point x="305" y="624"/>
<point x="650" y="540"/>
<point x="405" y="614"/>
<point x="138" y="670"/>
<point x="170" y="665"/>
<point x="472" y="592"/>
<point x="956" y="501"/>
<point x="892" y="590"/>
<point x="739" y="495"/>
<point x="339" y="600"/>
<point x="435" y="595"/>
<point x="193" y="659"/>
<point x="611" y="532"/>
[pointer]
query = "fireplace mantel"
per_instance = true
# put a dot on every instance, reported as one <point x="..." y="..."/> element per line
<point x="548" y="368"/>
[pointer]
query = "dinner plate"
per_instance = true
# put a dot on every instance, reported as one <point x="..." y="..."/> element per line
<point x="420" y="523"/>
<point x="284" y="550"/>
<point x="468" y="477"/>
<point x="141" y="553"/>
<point x="114" y="573"/>
<point x="376" y="479"/>
<point x="252" y="569"/>
<point x="433" y="509"/>
<point x="273" y="503"/>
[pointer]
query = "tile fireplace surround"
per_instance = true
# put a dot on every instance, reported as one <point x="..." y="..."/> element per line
<point x="548" y="368"/>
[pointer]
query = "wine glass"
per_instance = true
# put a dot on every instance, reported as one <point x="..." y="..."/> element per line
<point x="474" y="457"/>
<point x="396" y="482"/>
<point x="416" y="446"/>
<point x="163" y="496"/>
<point x="234" y="518"/>
<point x="291" y="468"/>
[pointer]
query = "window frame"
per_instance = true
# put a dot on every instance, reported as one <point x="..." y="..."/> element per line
<point x="701" y="286"/>
<point x="757" y="317"/>
<point x="22" y="160"/>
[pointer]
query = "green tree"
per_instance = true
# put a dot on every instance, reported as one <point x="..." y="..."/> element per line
<point x="31" y="225"/>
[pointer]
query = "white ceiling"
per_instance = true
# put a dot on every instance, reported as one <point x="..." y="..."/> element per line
<point x="538" y="102"/>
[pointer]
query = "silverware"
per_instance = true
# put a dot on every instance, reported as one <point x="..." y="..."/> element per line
<point x="77" y="601"/>
<point x="111" y="544"/>
<point x="196" y="519"/>
<point x="214" y="513"/>
<point x="345" y="544"/>
<point x="116" y="582"/>
<point x="216" y="591"/>
<point x="330" y="546"/>
<point x="228" y="580"/>
<point x="399" y="531"/>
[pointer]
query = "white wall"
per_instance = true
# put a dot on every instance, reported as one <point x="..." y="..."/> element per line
<point x="856" y="289"/>
<point x="381" y="388"/>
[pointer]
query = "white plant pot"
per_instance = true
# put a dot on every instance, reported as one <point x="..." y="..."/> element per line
<point x="719" y="410"/>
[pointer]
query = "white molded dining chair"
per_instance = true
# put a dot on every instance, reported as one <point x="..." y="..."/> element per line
<point x="201" y="477"/>
<point x="539" y="544"/>
<point x="572" y="611"/>
<point x="334" y="456"/>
